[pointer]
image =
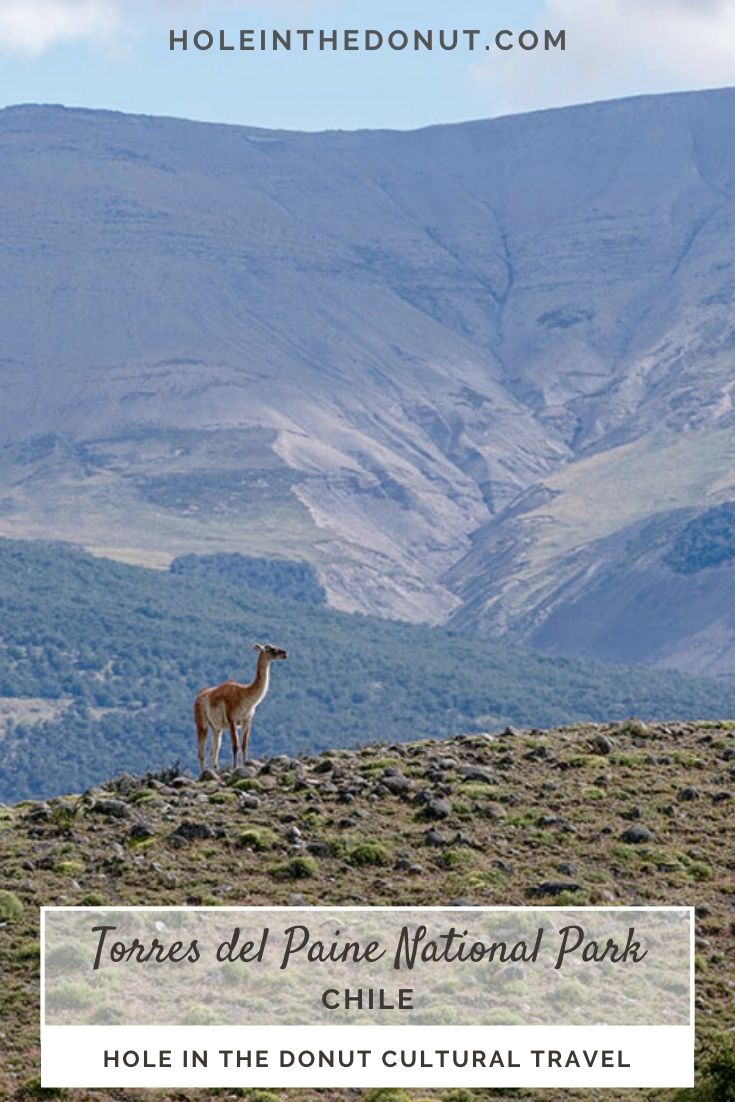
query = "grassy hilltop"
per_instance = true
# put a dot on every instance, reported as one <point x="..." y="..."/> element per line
<point x="578" y="815"/>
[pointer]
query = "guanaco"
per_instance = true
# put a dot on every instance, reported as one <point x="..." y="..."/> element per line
<point x="231" y="705"/>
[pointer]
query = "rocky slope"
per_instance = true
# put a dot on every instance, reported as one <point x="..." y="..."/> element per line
<point x="447" y="367"/>
<point x="608" y="814"/>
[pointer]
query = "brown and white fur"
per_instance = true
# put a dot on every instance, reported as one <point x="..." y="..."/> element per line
<point x="231" y="705"/>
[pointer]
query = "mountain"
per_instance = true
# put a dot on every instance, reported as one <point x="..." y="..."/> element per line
<point x="100" y="663"/>
<point x="543" y="818"/>
<point x="465" y="373"/>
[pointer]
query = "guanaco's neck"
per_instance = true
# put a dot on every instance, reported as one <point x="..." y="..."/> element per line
<point x="262" y="676"/>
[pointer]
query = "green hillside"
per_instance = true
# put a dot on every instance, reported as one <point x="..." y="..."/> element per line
<point x="99" y="664"/>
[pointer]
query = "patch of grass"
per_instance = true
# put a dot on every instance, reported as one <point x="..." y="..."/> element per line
<point x="259" y="839"/>
<point x="298" y="868"/>
<point x="11" y="908"/>
<point x="70" y="868"/>
<point x="247" y="784"/>
<point x="369" y="853"/>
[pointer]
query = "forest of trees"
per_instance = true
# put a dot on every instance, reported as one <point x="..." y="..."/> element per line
<point x="124" y="650"/>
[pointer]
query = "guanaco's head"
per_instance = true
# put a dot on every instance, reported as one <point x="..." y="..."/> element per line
<point x="274" y="654"/>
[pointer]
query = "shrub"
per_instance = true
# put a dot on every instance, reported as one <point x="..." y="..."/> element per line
<point x="11" y="908"/>
<point x="300" y="868"/>
<point x="258" y="838"/>
<point x="369" y="853"/>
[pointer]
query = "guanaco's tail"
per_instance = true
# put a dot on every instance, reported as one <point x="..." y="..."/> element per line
<point x="200" y="717"/>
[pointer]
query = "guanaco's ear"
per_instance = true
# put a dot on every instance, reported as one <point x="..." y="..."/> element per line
<point x="258" y="647"/>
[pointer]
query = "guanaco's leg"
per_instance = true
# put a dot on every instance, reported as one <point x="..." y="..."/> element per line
<point x="201" y="746"/>
<point x="202" y="729"/>
<point x="216" y="740"/>
<point x="245" y="736"/>
<point x="233" y="740"/>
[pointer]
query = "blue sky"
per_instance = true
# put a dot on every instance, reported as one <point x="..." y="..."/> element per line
<point x="114" y="53"/>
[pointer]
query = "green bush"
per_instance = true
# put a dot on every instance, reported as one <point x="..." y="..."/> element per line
<point x="258" y="838"/>
<point x="11" y="908"/>
<point x="369" y="853"/>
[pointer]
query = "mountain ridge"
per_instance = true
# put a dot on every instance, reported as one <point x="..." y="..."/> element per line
<point x="360" y="349"/>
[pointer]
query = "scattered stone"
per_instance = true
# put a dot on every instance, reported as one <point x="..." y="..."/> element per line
<point x="567" y="868"/>
<point x="318" y="849"/>
<point x="295" y="900"/>
<point x="113" y="809"/>
<point x="208" y="775"/>
<point x="415" y="870"/>
<point x="460" y="902"/>
<point x="434" y="837"/>
<point x="686" y="795"/>
<point x="553" y="888"/>
<point x="437" y="809"/>
<point x="248" y="801"/>
<point x="397" y="784"/>
<point x="326" y="765"/>
<point x="632" y="813"/>
<point x="293" y="835"/>
<point x="180" y="782"/>
<point x="188" y="831"/>
<point x="636" y="835"/>
<point x="634" y="726"/>
<point x="118" y="850"/>
<point x="601" y="744"/>
<point x="472" y="773"/>
<point x="140" y="831"/>
<point x="38" y="813"/>
<point x="721" y="797"/>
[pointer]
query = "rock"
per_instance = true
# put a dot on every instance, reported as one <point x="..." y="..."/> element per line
<point x="415" y="870"/>
<point x="397" y="784"/>
<point x="293" y="835"/>
<point x="141" y="830"/>
<point x="460" y="902"/>
<point x="634" y="726"/>
<point x="318" y="849"/>
<point x="636" y="835"/>
<point x="248" y="801"/>
<point x="446" y="763"/>
<point x="243" y="773"/>
<point x="113" y="809"/>
<point x="117" y="850"/>
<point x="686" y="795"/>
<point x="38" y="813"/>
<point x="567" y="868"/>
<point x="601" y="744"/>
<point x="721" y="797"/>
<point x="188" y="831"/>
<point x="461" y="839"/>
<point x="703" y="911"/>
<point x="473" y="773"/>
<point x="434" y="837"/>
<point x="437" y="809"/>
<point x="295" y="900"/>
<point x="326" y="765"/>
<point x="553" y="888"/>
<point x="180" y="782"/>
<point x="632" y="814"/>
<point x="208" y="775"/>
<point x="510" y="732"/>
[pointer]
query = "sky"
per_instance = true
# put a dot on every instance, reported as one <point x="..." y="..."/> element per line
<point x="114" y="54"/>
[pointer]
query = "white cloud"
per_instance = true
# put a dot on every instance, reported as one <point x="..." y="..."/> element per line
<point x="617" y="48"/>
<point x="33" y="26"/>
